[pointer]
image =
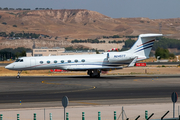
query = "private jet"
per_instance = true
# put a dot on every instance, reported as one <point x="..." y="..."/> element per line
<point x="92" y="63"/>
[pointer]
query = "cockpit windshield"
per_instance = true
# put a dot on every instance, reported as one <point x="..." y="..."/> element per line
<point x="19" y="60"/>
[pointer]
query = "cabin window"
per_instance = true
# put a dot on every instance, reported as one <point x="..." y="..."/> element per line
<point x="21" y="60"/>
<point x="76" y="61"/>
<point x="41" y="62"/>
<point x="69" y="61"/>
<point x="83" y="60"/>
<point x="62" y="61"/>
<point x="48" y="61"/>
<point x="55" y="61"/>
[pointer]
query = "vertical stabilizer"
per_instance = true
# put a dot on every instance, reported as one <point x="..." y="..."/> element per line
<point x="143" y="45"/>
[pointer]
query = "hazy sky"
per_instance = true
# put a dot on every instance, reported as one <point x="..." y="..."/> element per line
<point x="153" y="9"/>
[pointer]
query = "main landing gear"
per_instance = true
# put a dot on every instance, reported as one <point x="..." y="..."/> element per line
<point x="94" y="73"/>
<point x="18" y="75"/>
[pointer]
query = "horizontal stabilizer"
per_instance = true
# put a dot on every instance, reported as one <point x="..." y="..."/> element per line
<point x="150" y="35"/>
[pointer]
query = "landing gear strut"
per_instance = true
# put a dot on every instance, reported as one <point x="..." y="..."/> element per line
<point x="94" y="73"/>
<point x="18" y="75"/>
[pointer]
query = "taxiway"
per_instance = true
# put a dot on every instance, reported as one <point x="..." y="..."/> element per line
<point x="48" y="89"/>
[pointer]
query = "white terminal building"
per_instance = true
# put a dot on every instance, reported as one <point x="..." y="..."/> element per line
<point x="56" y="51"/>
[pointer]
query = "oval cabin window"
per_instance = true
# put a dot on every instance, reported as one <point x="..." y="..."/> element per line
<point x="83" y="60"/>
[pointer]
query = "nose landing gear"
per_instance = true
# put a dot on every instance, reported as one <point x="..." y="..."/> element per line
<point x="18" y="75"/>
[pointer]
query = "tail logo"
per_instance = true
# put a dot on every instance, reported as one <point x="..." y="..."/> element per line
<point x="144" y="46"/>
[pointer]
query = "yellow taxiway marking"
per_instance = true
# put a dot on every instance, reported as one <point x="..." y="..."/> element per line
<point x="135" y="80"/>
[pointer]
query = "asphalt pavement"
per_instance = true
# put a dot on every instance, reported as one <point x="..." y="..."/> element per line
<point x="44" y="89"/>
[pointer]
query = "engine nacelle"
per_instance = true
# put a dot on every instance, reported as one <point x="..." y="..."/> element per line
<point x="118" y="57"/>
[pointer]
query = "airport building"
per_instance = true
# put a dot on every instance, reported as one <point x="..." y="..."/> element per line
<point x="57" y="51"/>
<point x="44" y="51"/>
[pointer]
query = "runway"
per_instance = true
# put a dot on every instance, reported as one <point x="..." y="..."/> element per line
<point x="44" y="89"/>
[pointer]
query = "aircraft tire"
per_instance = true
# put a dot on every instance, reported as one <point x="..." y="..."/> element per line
<point x="17" y="76"/>
<point x="98" y="76"/>
<point x="91" y="75"/>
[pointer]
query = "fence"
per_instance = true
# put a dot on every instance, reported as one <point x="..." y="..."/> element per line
<point x="112" y="112"/>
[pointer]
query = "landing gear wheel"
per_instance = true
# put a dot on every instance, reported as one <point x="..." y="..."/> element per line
<point x="94" y="73"/>
<point x="98" y="76"/>
<point x="91" y="75"/>
<point x="17" y="76"/>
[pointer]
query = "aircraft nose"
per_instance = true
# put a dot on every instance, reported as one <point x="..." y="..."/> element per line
<point x="8" y="66"/>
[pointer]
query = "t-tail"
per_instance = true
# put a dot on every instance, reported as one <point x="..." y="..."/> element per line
<point x="142" y="48"/>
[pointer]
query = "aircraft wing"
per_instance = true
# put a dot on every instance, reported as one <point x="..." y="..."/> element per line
<point x="94" y="67"/>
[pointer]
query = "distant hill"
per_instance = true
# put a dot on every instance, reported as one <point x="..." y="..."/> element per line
<point x="81" y="24"/>
<point x="71" y="23"/>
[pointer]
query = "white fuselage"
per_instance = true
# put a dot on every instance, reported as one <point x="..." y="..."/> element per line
<point x="73" y="62"/>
